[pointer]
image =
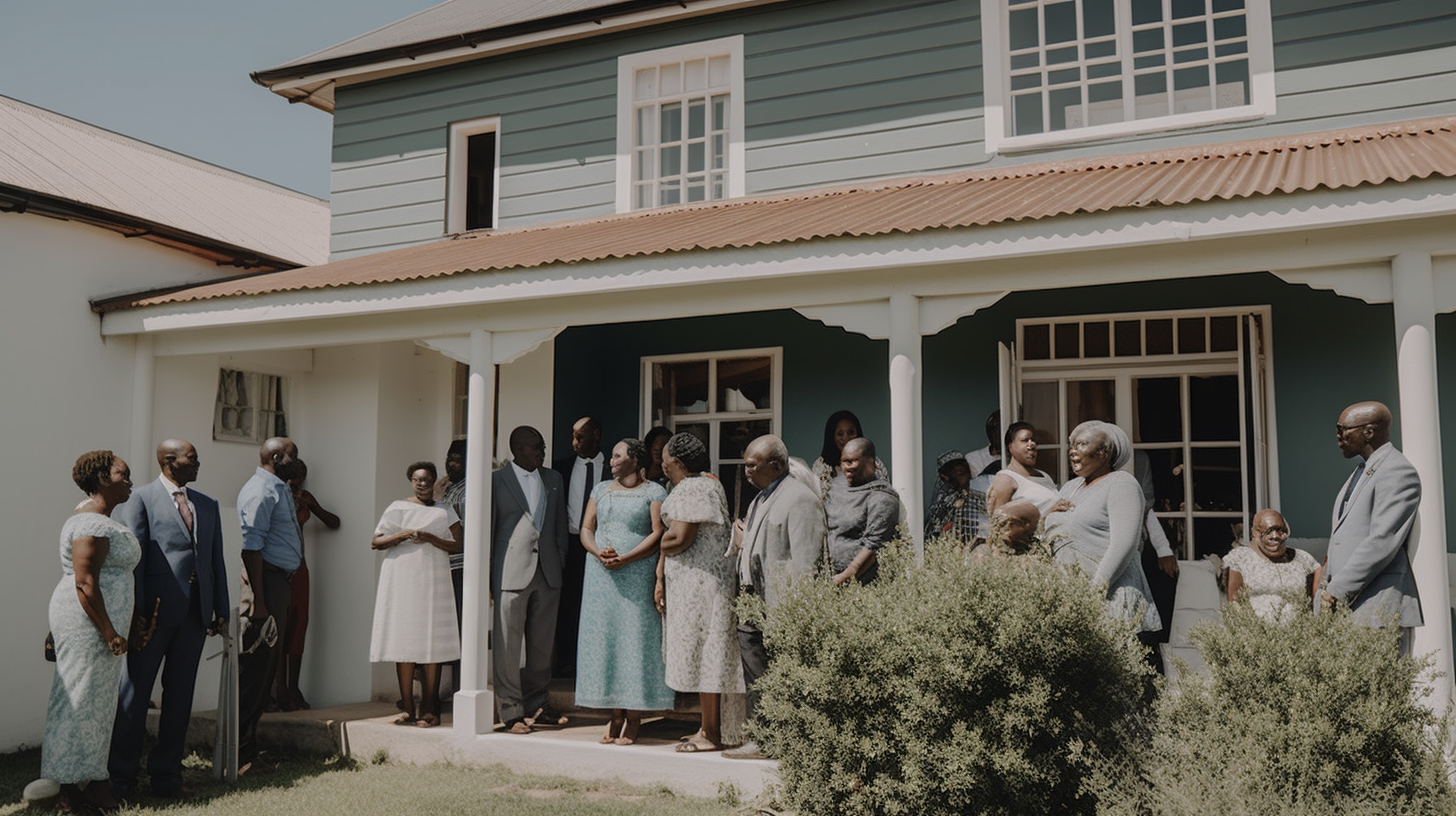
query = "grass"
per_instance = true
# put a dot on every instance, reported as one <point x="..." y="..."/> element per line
<point x="310" y="786"/>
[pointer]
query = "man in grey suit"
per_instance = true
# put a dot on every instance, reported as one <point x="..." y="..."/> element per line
<point x="181" y="594"/>
<point x="1368" y="568"/>
<point x="527" y="550"/>
<point x="780" y="541"/>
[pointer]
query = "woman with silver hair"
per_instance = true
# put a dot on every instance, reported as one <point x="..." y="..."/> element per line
<point x="1098" y="522"/>
<point x="697" y="583"/>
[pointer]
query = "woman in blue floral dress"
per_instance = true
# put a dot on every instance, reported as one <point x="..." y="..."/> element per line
<point x="94" y="596"/>
<point x="619" y="648"/>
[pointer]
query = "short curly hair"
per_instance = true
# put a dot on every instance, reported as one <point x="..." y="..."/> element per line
<point x="637" y="451"/>
<point x="429" y="466"/>
<point x="92" y="470"/>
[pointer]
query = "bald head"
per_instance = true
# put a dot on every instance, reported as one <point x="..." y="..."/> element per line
<point x="857" y="460"/>
<point x="586" y="437"/>
<point x="277" y="456"/>
<point x="178" y="461"/>
<point x="1363" y="428"/>
<point x="1020" y="519"/>
<point x="765" y="460"/>
<point x="528" y="448"/>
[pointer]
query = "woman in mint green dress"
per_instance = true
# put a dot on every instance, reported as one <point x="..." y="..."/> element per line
<point x="94" y="597"/>
<point x="619" y="650"/>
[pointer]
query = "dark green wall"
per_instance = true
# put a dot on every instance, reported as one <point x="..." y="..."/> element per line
<point x="598" y="372"/>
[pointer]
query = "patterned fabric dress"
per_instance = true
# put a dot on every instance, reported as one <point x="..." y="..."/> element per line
<point x="1271" y="583"/>
<point x="619" y="650"/>
<point x="702" y="581"/>
<point x="82" y="706"/>
<point x="414" y="609"/>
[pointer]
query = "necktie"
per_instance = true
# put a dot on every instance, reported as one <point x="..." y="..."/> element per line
<point x="586" y="493"/>
<point x="1350" y="489"/>
<point x="181" y="498"/>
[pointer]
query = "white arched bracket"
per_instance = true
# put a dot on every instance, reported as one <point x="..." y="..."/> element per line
<point x="872" y="319"/>
<point x="1413" y="289"/>
<point x="508" y="346"/>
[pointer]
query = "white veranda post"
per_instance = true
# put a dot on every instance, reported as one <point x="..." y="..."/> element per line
<point x="905" y="411"/>
<point x="475" y="703"/>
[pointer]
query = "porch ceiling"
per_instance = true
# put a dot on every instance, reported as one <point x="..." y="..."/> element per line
<point x="1347" y="158"/>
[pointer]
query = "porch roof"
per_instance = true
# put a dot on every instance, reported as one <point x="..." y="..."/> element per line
<point x="1350" y="157"/>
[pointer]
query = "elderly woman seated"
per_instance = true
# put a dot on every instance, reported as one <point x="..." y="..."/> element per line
<point x="1269" y="574"/>
<point x="1099" y="518"/>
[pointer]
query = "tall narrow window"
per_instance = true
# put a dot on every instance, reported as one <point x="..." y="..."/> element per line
<point x="680" y="125"/>
<point x="474" y="175"/>
<point x="1066" y="70"/>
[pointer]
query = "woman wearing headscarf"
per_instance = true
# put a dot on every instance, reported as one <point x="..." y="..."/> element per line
<point x="1097" y="523"/>
<point x="696" y="585"/>
<point x="94" y="597"/>
<point x="619" y="645"/>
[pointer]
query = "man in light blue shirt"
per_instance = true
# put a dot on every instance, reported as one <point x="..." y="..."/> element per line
<point x="272" y="550"/>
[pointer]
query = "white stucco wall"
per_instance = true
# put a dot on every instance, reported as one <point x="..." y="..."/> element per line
<point x="67" y="391"/>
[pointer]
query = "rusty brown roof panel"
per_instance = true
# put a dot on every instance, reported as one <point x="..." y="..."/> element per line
<point x="1373" y="154"/>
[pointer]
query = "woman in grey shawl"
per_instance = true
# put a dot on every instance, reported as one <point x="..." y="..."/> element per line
<point x="1098" y="522"/>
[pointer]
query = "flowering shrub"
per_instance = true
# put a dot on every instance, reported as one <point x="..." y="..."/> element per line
<point x="1315" y="716"/>
<point x="971" y="684"/>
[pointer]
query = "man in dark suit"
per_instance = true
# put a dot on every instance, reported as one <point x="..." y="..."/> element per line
<point x="181" y="595"/>
<point x="579" y="474"/>
<point x="527" y="550"/>
<point x="1368" y="568"/>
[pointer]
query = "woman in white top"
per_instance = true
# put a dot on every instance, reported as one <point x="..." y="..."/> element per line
<point x="1268" y="573"/>
<point x="414" y="610"/>
<point x="1020" y="480"/>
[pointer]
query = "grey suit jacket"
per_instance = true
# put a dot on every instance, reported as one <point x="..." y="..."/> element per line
<point x="786" y="539"/>
<point x="151" y="514"/>
<point x="516" y="550"/>
<point x="1368" y="567"/>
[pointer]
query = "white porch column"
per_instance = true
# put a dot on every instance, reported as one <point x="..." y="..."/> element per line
<point x="141" y="448"/>
<point x="905" y="435"/>
<point x="1413" y="292"/>
<point x="475" y="702"/>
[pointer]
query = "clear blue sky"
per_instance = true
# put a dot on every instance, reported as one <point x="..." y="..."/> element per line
<point x="175" y="73"/>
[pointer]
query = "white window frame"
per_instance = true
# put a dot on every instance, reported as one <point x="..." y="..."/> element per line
<point x="629" y="64"/>
<point x="998" y="94"/>
<point x="457" y="166"/>
<point x="256" y="407"/>
<point x="1122" y="370"/>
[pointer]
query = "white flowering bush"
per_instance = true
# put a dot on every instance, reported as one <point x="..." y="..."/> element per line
<point x="981" y="684"/>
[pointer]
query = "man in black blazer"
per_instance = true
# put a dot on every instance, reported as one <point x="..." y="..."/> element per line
<point x="527" y="549"/>
<point x="579" y="474"/>
<point x="181" y="594"/>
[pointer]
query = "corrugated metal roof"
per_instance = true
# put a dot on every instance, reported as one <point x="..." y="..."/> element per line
<point x="56" y="156"/>
<point x="1333" y="159"/>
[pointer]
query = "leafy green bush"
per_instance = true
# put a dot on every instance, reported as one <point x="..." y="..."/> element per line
<point x="986" y="685"/>
<point x="1316" y="716"/>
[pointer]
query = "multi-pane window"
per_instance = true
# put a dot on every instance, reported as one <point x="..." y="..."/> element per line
<point x="1090" y="68"/>
<point x="681" y="123"/>
<point x="249" y="406"/>
<point x="726" y="399"/>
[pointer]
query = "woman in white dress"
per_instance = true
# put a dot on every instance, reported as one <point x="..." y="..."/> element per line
<point x="1020" y="480"/>
<point x="414" y="611"/>
<point x="1268" y="572"/>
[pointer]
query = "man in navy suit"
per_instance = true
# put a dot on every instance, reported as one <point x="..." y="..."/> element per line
<point x="181" y="596"/>
<point x="527" y="551"/>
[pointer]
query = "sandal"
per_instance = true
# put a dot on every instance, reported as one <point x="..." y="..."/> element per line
<point x="406" y="719"/>
<point x="629" y="732"/>
<point x="547" y="718"/>
<point x="428" y="721"/>
<point x="518" y="727"/>
<point x="614" y="730"/>
<point x="697" y="744"/>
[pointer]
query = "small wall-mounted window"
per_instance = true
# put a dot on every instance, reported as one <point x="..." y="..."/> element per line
<point x="249" y="407"/>
<point x="474" y="175"/>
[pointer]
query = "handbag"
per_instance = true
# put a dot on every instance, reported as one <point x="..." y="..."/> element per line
<point x="50" y="648"/>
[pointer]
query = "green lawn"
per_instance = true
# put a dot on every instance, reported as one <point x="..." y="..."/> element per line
<point x="322" y="787"/>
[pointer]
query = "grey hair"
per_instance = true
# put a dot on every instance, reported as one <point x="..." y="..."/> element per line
<point x="1111" y="439"/>
<point x="774" y="450"/>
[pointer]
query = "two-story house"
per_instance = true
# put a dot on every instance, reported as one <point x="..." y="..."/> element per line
<point x="1213" y="222"/>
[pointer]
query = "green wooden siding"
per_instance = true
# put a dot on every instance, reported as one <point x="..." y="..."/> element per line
<point x="837" y="91"/>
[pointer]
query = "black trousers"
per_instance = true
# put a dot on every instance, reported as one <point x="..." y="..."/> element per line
<point x="755" y="662"/>
<point x="257" y="669"/>
<point x="568" y="615"/>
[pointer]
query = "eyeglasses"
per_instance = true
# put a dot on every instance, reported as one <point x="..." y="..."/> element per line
<point x="1340" y="429"/>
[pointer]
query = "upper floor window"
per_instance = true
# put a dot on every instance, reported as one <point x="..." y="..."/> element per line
<point x="474" y="170"/>
<point x="680" y="124"/>
<point x="1062" y="71"/>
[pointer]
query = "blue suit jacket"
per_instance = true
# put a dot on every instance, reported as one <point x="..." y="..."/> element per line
<point x="151" y="513"/>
